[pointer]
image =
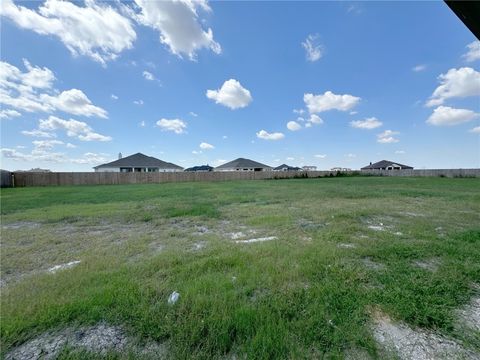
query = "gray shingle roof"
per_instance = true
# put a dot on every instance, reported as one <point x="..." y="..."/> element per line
<point x="140" y="160"/>
<point x="288" y="167"/>
<point x="242" y="163"/>
<point x="384" y="164"/>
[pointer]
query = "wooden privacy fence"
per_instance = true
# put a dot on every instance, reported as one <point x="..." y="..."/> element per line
<point x="112" y="178"/>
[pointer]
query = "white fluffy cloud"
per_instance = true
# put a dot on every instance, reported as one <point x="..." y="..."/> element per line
<point x="73" y="128"/>
<point x="148" y="75"/>
<point x="33" y="91"/>
<point x="39" y="133"/>
<point x="369" y="123"/>
<point x="114" y="97"/>
<point x="315" y="119"/>
<point x="313" y="50"/>
<point x="293" y="126"/>
<point x="387" y="137"/>
<point x="176" y="125"/>
<point x="320" y="156"/>
<point x="97" y="31"/>
<point x="262" y="134"/>
<point x="9" y="114"/>
<point x="473" y="52"/>
<point x="329" y="101"/>
<point x="475" y="130"/>
<point x="178" y="24"/>
<point x="138" y="102"/>
<point x="447" y="116"/>
<point x="206" y="146"/>
<point x="232" y="94"/>
<point x="37" y="155"/>
<point x="461" y="82"/>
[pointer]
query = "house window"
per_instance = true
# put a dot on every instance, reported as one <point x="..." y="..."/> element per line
<point x="125" y="170"/>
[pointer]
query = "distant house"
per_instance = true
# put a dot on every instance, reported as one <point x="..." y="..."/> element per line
<point x="138" y="163"/>
<point x="242" y="164"/>
<point x="340" y="169"/>
<point x="386" y="165"/>
<point x="36" y="170"/>
<point x="285" y="167"/>
<point x="201" y="168"/>
<point x="310" y="168"/>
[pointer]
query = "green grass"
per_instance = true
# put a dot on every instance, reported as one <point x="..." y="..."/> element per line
<point x="300" y="296"/>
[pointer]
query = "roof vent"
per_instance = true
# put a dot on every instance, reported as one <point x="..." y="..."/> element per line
<point x="119" y="155"/>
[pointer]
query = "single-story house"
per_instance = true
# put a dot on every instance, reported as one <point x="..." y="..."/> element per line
<point x="285" y="167"/>
<point x="242" y="164"/>
<point x="138" y="163"/>
<point x="309" y="168"/>
<point x="386" y="165"/>
<point x="340" y="169"/>
<point x="201" y="168"/>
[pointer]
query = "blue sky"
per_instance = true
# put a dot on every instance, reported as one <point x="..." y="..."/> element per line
<point x="304" y="83"/>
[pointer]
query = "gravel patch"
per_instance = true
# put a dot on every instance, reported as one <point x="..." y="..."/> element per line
<point x="98" y="339"/>
<point x="409" y="344"/>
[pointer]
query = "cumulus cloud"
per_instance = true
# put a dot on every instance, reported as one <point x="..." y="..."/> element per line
<point x="313" y="50"/>
<point x="419" y="68"/>
<point x="461" y="82"/>
<point x="387" y="137"/>
<point x="191" y="113"/>
<point x="114" y="97"/>
<point x="329" y="101"/>
<point x="176" y="125"/>
<point x="9" y="114"/>
<point x="473" y="52"/>
<point x="447" y="116"/>
<point x="232" y="94"/>
<point x="90" y="158"/>
<point x="33" y="91"/>
<point x="298" y="111"/>
<point x="138" y="102"/>
<point x="34" y="156"/>
<point x="46" y="144"/>
<point x="262" y="134"/>
<point x="320" y="156"/>
<point x="97" y="31"/>
<point x="369" y="123"/>
<point x="475" y="130"/>
<point x="206" y="146"/>
<point x="73" y="128"/>
<point x="178" y="25"/>
<point x="148" y="75"/>
<point x="39" y="133"/>
<point x="315" y="119"/>
<point x="74" y="102"/>
<point x="293" y="126"/>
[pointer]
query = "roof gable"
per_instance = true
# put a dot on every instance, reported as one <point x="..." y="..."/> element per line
<point x="140" y="160"/>
<point x="385" y="164"/>
<point x="243" y="163"/>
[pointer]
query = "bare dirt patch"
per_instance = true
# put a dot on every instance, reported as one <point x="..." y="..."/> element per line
<point x="469" y="315"/>
<point x="346" y="246"/>
<point x="415" y="344"/>
<point x="21" y="225"/>
<point x="99" y="339"/>
<point x="371" y="264"/>
<point x="428" y="264"/>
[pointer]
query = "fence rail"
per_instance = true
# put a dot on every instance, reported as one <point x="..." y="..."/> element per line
<point x="22" y="179"/>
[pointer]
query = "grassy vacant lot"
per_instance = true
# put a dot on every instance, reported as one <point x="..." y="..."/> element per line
<point x="346" y="250"/>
